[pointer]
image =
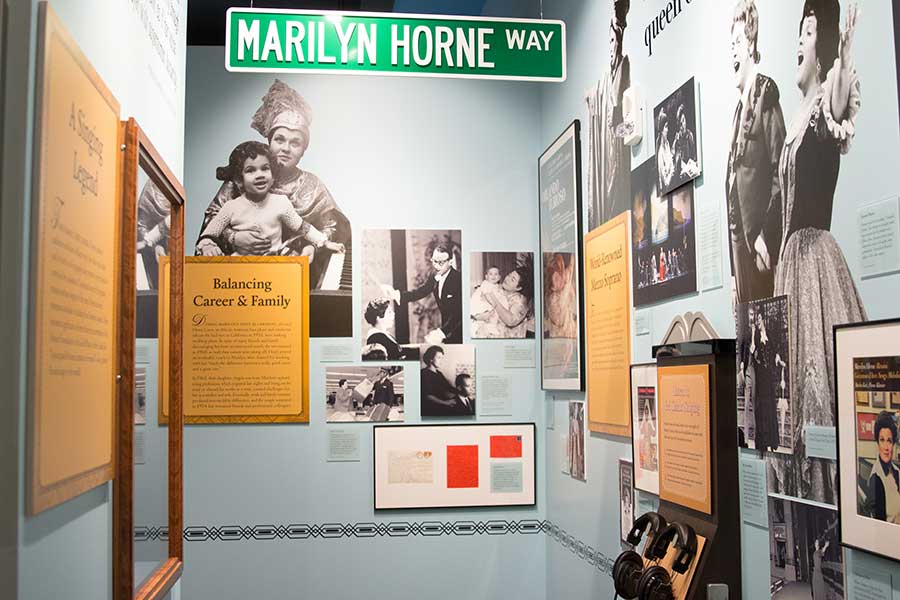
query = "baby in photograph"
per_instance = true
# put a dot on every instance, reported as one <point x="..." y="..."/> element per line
<point x="480" y="305"/>
<point x="269" y="215"/>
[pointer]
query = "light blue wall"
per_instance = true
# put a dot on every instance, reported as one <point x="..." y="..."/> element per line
<point x="395" y="153"/>
<point x="66" y="552"/>
<point x="697" y="44"/>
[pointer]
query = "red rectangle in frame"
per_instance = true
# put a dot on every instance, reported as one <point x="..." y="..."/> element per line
<point x="462" y="466"/>
<point x="506" y="446"/>
<point x="865" y="426"/>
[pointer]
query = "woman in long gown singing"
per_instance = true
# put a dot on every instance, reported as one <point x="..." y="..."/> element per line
<point x="812" y="270"/>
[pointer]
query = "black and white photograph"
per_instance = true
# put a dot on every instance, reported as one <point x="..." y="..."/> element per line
<point x="804" y="552"/>
<point x="626" y="498"/>
<point x="765" y="414"/>
<point x="752" y="185"/>
<point x="153" y="222"/>
<point x="575" y="442"/>
<point x="609" y="159"/>
<point x="364" y="394"/>
<point x="268" y="204"/>
<point x="812" y="269"/>
<point x="677" y="143"/>
<point x="140" y="395"/>
<point x="447" y="380"/>
<point x="501" y="295"/>
<point x="412" y="291"/>
<point x="664" y="259"/>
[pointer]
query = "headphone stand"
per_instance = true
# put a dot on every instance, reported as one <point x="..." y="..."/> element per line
<point x="719" y="554"/>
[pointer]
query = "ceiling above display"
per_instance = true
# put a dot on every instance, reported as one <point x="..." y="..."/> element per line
<point x="206" y="18"/>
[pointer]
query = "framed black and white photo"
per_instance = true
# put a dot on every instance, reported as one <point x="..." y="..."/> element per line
<point x="251" y="225"/>
<point x="447" y="380"/>
<point x="364" y="394"/>
<point x="805" y="558"/>
<point x="501" y="295"/>
<point x="626" y="498"/>
<point x="454" y="466"/>
<point x="664" y="254"/>
<point x="559" y="183"/>
<point x="575" y="459"/>
<point x="411" y="291"/>
<point x="645" y="428"/>
<point x="677" y="143"/>
<point x="867" y="367"/>
<point x="765" y="401"/>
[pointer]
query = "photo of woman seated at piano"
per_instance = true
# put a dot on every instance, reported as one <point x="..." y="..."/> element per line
<point x="411" y="291"/>
<point x="257" y="224"/>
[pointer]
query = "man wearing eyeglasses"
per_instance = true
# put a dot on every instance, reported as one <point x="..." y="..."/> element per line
<point x="446" y="287"/>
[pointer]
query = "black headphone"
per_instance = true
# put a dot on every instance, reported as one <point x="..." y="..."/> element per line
<point x="655" y="584"/>
<point x="685" y="541"/>
<point x="629" y="566"/>
<point x="656" y="523"/>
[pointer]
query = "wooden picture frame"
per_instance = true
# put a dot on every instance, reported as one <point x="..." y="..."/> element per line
<point x="866" y="357"/>
<point x="72" y="382"/>
<point x="139" y="154"/>
<point x="484" y="456"/>
<point x="559" y="194"/>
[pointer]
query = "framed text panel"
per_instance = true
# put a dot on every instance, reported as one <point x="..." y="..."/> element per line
<point x="608" y="325"/>
<point x="246" y="340"/>
<point x="75" y="273"/>
<point x="685" y="462"/>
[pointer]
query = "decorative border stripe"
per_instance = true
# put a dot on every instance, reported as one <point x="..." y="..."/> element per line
<point x="303" y="531"/>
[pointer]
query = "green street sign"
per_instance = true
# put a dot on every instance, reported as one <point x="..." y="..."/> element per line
<point x="279" y="41"/>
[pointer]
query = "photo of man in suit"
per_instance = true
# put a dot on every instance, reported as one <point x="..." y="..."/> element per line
<point x="753" y="192"/>
<point x="465" y="394"/>
<point x="448" y="381"/>
<point x="446" y="287"/>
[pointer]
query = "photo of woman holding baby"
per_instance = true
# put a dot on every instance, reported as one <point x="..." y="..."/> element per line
<point x="501" y="302"/>
<point x="284" y="119"/>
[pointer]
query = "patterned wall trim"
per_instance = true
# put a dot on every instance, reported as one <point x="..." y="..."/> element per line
<point x="303" y="531"/>
<point x="595" y="558"/>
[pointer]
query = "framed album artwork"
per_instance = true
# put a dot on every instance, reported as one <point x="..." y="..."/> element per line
<point x="867" y="367"/>
<point x="559" y="183"/>
<point x="454" y="466"/>
<point x="645" y="428"/>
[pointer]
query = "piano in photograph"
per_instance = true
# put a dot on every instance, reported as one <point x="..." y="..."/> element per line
<point x="330" y="296"/>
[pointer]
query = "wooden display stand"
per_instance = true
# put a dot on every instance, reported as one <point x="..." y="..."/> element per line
<point x="719" y="558"/>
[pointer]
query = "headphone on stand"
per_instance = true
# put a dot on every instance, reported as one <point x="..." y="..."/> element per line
<point x="656" y="582"/>
<point x="629" y="565"/>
